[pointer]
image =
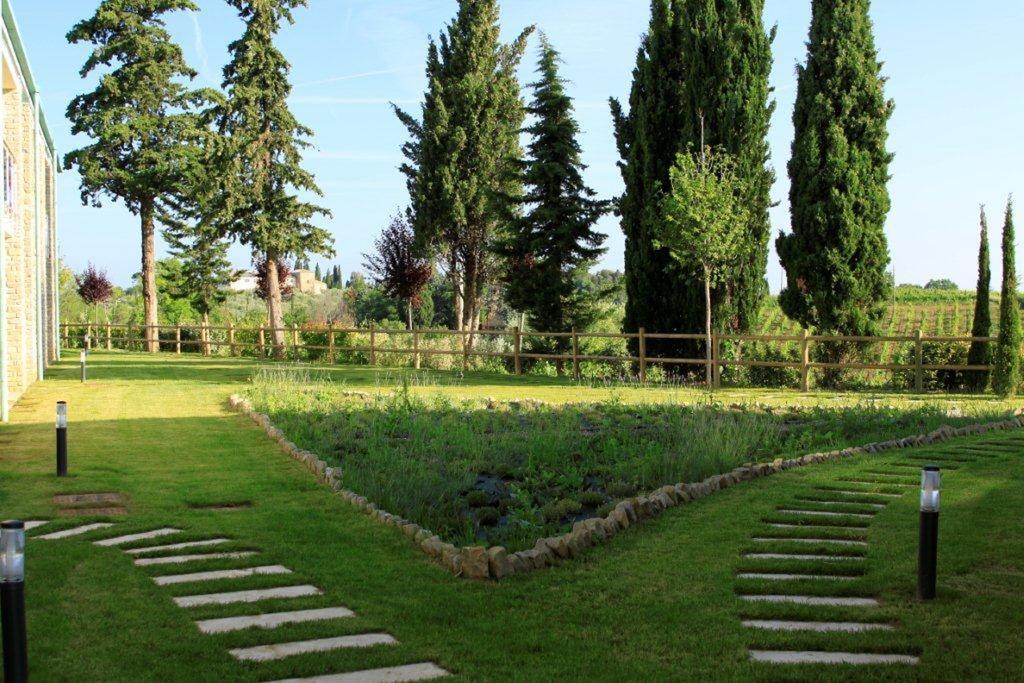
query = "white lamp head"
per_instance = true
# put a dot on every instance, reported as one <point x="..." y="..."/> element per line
<point x="931" y="485"/>
<point x="12" y="551"/>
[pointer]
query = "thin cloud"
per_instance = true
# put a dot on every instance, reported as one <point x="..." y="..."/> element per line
<point x="350" y="77"/>
<point x="350" y="101"/>
<point x="204" y="57"/>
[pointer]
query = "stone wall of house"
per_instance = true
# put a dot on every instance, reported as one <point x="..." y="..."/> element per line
<point x="30" y="255"/>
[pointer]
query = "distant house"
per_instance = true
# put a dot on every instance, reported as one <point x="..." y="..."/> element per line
<point x="29" y="339"/>
<point x="300" y="281"/>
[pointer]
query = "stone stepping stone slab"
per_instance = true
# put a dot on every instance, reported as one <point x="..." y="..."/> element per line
<point x="72" y="499"/>
<point x="833" y="541"/>
<point x="273" y="620"/>
<point x="92" y="512"/>
<point x="811" y="657"/>
<point x="840" y="492"/>
<point x="177" y="546"/>
<point x="268" y="653"/>
<point x="812" y="527"/>
<point x="131" y="538"/>
<point x="35" y="524"/>
<point x="825" y="513"/>
<point x="180" y="559"/>
<point x="875" y="482"/>
<point x="757" y="576"/>
<point x="816" y="626"/>
<point x="75" y="531"/>
<point x="814" y="600"/>
<point x="424" y="671"/>
<point x="246" y="596"/>
<point x="788" y="556"/>
<point x="831" y="503"/>
<point x="268" y="570"/>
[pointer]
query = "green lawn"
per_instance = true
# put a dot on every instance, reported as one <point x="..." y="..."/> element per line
<point x="657" y="603"/>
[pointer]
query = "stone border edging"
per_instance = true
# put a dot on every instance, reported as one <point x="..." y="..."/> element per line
<point x="478" y="562"/>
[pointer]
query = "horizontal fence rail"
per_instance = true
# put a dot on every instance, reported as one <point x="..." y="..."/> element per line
<point x="258" y="341"/>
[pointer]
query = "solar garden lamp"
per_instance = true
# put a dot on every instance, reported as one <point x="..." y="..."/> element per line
<point x="62" y="439"/>
<point x="12" y="601"/>
<point x="931" y="484"/>
<point x="81" y="359"/>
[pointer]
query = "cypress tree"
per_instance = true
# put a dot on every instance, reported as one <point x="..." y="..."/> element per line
<point x="709" y="58"/>
<point x="139" y="117"/>
<point x="837" y="254"/>
<point x="462" y="152"/>
<point x="260" y="152"/>
<point x="981" y="353"/>
<point x="554" y="243"/>
<point x="1006" y="375"/>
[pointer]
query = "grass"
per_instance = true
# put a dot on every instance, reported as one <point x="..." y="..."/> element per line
<point x="657" y="603"/>
<point x="481" y="471"/>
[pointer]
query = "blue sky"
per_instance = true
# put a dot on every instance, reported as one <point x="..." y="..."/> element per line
<point x="955" y="71"/>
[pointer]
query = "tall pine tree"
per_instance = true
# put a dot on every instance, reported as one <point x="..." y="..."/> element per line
<point x="1006" y="376"/>
<point x="981" y="352"/>
<point x="139" y="117"/>
<point x="837" y="254"/>
<point x="462" y="151"/>
<point x="550" y="247"/>
<point x="259" y="155"/>
<point x="699" y="57"/>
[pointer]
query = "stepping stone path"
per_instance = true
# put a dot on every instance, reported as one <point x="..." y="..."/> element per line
<point x="834" y="519"/>
<point x="266" y="621"/>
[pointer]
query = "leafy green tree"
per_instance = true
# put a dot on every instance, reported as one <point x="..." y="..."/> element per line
<point x="396" y="268"/>
<point x="259" y="153"/>
<point x="140" y="118"/>
<point x="554" y="243"/>
<point x="1006" y="375"/>
<point x="837" y="255"/>
<point x="942" y="285"/>
<point x="462" y="151"/>
<point x="206" y="271"/>
<point x="981" y="352"/>
<point x="705" y="222"/>
<point x="698" y="56"/>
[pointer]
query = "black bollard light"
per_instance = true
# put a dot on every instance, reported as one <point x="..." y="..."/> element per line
<point x="62" y="439"/>
<point x="12" y="601"/>
<point x="927" y="558"/>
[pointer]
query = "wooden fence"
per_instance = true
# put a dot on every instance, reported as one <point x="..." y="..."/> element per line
<point x="200" y="338"/>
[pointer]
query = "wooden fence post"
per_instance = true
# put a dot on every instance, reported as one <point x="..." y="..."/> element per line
<point x="575" y="355"/>
<point x="263" y="342"/>
<point x="643" y="355"/>
<point x="805" y="359"/>
<point x="373" y="345"/>
<point x="330" y="343"/>
<point x="517" y="349"/>
<point x="919" y="362"/>
<point x="416" y="348"/>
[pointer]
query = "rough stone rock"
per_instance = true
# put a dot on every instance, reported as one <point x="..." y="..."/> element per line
<point x="410" y="529"/>
<point x="476" y="563"/>
<point x="558" y="546"/>
<point x="671" y="492"/>
<point x="536" y="558"/>
<point x="499" y="563"/>
<point x="432" y="546"/>
<point x="663" y="500"/>
<point x="627" y="507"/>
<point x="578" y="542"/>
<point x="620" y="517"/>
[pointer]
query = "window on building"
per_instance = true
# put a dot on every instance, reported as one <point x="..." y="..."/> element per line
<point x="10" y="180"/>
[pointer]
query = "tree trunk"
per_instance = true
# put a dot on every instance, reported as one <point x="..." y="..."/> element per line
<point x="409" y="310"/>
<point x="149" y="295"/>
<point x="707" y="324"/>
<point x="275" y="314"/>
<point x="206" y="334"/>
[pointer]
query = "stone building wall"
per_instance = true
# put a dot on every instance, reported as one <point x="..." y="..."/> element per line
<point x="29" y="256"/>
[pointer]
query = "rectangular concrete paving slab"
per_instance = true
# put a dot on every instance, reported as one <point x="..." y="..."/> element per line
<point x="181" y="559"/>
<point x="810" y="657"/>
<point x="844" y="492"/>
<point x="396" y="674"/>
<point x="830" y="503"/>
<point x="236" y="597"/>
<point x="761" y="576"/>
<point x="268" y="653"/>
<point x="35" y="524"/>
<point x="195" y="577"/>
<point x="177" y="546"/>
<point x="75" y="531"/>
<point x="273" y="620"/>
<point x="813" y="527"/>
<point x="812" y="541"/>
<point x="814" y="600"/>
<point x="131" y="538"/>
<point x="823" y="513"/>
<point x="791" y="556"/>
<point x="816" y="626"/>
